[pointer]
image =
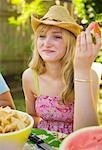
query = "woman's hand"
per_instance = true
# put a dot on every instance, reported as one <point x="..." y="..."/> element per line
<point x="86" y="50"/>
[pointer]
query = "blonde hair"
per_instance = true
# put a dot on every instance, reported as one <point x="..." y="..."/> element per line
<point x="67" y="72"/>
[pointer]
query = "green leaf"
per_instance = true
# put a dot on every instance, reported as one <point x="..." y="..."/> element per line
<point x="16" y="2"/>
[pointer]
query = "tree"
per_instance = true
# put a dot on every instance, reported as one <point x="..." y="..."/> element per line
<point x="26" y="8"/>
<point x="88" y="10"/>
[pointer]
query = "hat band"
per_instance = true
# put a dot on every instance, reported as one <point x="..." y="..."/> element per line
<point x="51" y="19"/>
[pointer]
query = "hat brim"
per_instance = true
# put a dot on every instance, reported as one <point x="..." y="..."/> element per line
<point x="72" y="27"/>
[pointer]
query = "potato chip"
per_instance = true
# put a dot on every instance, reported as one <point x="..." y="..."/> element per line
<point x="11" y="121"/>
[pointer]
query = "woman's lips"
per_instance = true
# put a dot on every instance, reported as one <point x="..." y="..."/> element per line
<point x="48" y="51"/>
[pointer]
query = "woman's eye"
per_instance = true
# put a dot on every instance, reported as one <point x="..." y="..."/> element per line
<point x="42" y="36"/>
<point x="58" y="37"/>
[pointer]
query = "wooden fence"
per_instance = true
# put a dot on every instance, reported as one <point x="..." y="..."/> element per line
<point x="15" y="44"/>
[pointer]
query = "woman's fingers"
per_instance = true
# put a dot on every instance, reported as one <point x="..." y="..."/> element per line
<point x="98" y="39"/>
<point x="83" y="42"/>
<point x="86" y="50"/>
<point x="89" y="42"/>
<point x="78" y="42"/>
<point x="98" y="43"/>
<point x="77" y="45"/>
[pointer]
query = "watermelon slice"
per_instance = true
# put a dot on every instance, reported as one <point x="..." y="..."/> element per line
<point x="95" y="28"/>
<point x="89" y="138"/>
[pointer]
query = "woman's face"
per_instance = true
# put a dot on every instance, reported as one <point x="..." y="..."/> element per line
<point x="51" y="44"/>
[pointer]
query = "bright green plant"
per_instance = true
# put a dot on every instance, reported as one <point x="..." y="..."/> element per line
<point x="88" y="10"/>
<point x="25" y="9"/>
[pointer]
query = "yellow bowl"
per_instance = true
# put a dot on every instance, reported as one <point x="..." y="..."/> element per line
<point x="15" y="140"/>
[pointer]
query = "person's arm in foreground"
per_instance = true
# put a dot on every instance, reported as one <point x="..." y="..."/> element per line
<point x="6" y="100"/>
<point x="85" y="81"/>
<point x="5" y="95"/>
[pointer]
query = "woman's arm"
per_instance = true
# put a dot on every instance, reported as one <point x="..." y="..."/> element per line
<point x="86" y="98"/>
<point x="85" y="81"/>
<point x="28" y="88"/>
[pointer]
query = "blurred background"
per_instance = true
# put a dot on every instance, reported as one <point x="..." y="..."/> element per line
<point x="16" y="37"/>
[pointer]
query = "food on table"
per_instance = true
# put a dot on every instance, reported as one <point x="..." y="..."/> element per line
<point x="11" y="121"/>
<point x="58" y="135"/>
<point x="95" y="28"/>
<point x="89" y="138"/>
<point x="15" y="127"/>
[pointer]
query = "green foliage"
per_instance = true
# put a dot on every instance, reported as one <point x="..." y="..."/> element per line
<point x="25" y="9"/>
<point x="16" y="2"/>
<point x="88" y="10"/>
<point x="99" y="58"/>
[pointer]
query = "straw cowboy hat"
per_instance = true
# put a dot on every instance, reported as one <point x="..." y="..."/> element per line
<point x="57" y="16"/>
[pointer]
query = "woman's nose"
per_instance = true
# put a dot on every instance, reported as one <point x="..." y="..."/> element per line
<point x="48" y="42"/>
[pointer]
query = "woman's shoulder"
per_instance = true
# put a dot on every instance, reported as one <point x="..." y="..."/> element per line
<point x="28" y="79"/>
<point x="27" y="74"/>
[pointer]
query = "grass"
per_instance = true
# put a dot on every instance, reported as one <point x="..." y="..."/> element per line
<point x="19" y="101"/>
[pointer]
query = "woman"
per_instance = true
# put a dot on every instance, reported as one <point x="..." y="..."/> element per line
<point x="5" y="95"/>
<point x="61" y="90"/>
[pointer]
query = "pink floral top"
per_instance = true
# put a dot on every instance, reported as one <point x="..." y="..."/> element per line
<point x="55" y="117"/>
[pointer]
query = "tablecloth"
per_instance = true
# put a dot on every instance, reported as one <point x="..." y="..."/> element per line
<point x="52" y="138"/>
